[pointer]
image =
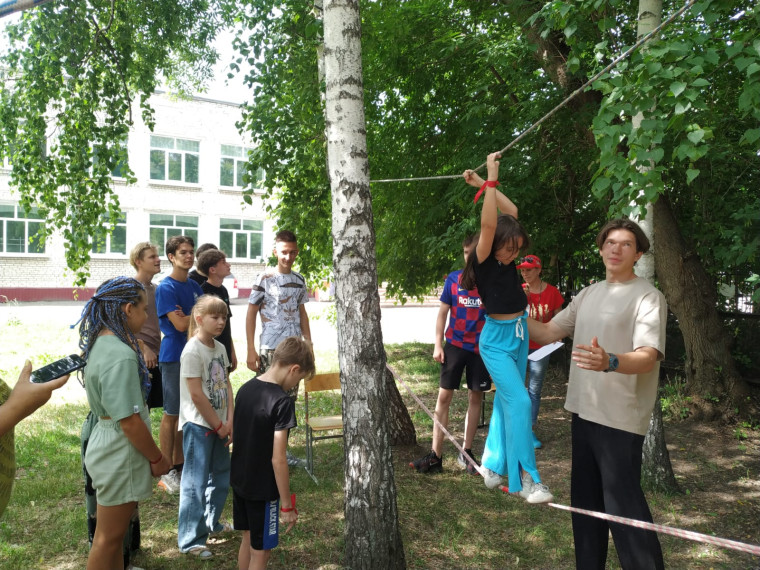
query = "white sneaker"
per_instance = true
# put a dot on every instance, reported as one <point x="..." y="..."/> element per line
<point x="534" y="493"/>
<point x="491" y="478"/>
<point x="169" y="482"/>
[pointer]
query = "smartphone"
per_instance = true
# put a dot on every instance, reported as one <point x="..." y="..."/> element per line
<point x="57" y="369"/>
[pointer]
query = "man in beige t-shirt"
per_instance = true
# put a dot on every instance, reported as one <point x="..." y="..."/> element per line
<point x="611" y="394"/>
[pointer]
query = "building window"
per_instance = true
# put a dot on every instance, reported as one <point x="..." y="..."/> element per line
<point x="232" y="166"/>
<point x="19" y="230"/>
<point x="174" y="159"/>
<point x="164" y="226"/>
<point x="116" y="241"/>
<point x="241" y="239"/>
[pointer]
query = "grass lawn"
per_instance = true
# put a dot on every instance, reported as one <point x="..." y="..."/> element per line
<point x="448" y="521"/>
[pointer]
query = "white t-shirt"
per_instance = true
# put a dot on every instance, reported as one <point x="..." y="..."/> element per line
<point x="210" y="365"/>
<point x="624" y="317"/>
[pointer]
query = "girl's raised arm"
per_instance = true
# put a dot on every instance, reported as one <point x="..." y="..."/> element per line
<point x="489" y="215"/>
<point x="504" y="204"/>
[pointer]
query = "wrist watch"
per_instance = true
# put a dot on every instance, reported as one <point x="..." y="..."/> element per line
<point x="613" y="364"/>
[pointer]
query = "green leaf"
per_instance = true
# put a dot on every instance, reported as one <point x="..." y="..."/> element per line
<point x="680" y="108"/>
<point x="602" y="183"/>
<point x="696" y="136"/>
<point x="753" y="68"/>
<point x="750" y="136"/>
<point x="734" y="49"/>
<point x="742" y="63"/>
<point x="691" y="174"/>
<point x="656" y="154"/>
<point x="700" y="82"/>
<point x="677" y="87"/>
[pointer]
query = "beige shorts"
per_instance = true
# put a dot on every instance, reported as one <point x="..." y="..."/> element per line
<point x="120" y="474"/>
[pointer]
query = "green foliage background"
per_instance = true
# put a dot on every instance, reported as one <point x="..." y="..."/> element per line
<point x="445" y="83"/>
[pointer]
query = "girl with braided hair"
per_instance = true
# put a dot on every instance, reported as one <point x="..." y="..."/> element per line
<point x="121" y="455"/>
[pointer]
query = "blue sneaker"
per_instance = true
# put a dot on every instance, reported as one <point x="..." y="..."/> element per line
<point x="536" y="443"/>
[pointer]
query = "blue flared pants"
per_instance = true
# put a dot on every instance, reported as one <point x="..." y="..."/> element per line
<point x="509" y="445"/>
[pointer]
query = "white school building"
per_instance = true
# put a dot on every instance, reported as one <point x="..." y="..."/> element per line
<point x="189" y="180"/>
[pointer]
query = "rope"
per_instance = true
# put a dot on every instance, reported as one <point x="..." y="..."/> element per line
<point x="567" y="99"/>
<point x="451" y="438"/>
<point x="680" y="533"/>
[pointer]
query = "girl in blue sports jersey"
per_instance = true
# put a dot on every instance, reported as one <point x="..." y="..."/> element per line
<point x="504" y="339"/>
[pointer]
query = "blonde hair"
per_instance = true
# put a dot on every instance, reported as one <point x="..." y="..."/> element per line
<point x="295" y="350"/>
<point x="205" y="305"/>
<point x="139" y="250"/>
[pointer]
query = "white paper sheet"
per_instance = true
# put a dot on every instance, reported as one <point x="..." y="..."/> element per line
<point x="545" y="350"/>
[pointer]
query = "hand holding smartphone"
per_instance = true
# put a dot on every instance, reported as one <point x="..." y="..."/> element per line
<point x="57" y="369"/>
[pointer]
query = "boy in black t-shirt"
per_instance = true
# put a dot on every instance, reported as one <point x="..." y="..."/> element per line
<point x="213" y="264"/>
<point x="260" y="481"/>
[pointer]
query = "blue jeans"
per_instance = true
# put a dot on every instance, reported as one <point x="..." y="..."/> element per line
<point x="509" y="445"/>
<point x="204" y="487"/>
<point x="536" y="375"/>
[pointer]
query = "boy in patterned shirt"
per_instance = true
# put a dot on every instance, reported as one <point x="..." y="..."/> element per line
<point x="460" y="354"/>
<point x="279" y="298"/>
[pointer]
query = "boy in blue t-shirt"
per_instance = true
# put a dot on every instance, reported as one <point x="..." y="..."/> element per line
<point x="460" y="354"/>
<point x="175" y="297"/>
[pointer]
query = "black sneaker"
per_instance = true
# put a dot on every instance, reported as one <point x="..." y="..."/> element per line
<point x="430" y="463"/>
<point x="471" y="469"/>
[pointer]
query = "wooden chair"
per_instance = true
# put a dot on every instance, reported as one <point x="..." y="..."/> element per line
<point x="320" y="424"/>
<point x="483" y="423"/>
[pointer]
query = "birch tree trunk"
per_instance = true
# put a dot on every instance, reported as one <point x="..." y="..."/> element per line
<point x="372" y="535"/>
<point x="657" y="471"/>
<point x="402" y="430"/>
<point x="650" y="16"/>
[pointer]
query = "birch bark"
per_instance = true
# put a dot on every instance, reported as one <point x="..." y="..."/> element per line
<point x="372" y="535"/>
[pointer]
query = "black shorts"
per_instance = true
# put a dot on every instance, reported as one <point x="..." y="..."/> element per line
<point x="455" y="361"/>
<point x="156" y="394"/>
<point x="260" y="518"/>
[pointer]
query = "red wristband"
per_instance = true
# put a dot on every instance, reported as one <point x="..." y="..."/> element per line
<point x="486" y="184"/>
<point x="160" y="457"/>
<point x="292" y="502"/>
<point x="221" y="423"/>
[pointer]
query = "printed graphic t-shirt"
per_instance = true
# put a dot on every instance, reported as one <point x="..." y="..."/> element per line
<point x="210" y="365"/>
<point x="279" y="296"/>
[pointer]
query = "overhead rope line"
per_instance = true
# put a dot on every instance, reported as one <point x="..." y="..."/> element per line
<point x="567" y="99"/>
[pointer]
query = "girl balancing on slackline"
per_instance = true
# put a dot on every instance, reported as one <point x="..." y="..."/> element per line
<point x="504" y="340"/>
